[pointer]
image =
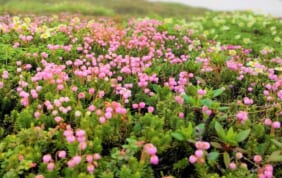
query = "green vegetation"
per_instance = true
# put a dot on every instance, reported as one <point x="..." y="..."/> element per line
<point x="89" y="98"/>
<point x="125" y="8"/>
<point x="84" y="96"/>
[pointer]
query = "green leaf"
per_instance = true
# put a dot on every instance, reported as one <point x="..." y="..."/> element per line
<point x="213" y="156"/>
<point x="243" y="135"/>
<point x="226" y="159"/>
<point x="207" y="102"/>
<point x="181" y="164"/>
<point x="178" y="136"/>
<point x="219" y="130"/>
<point x="189" y="100"/>
<point x="155" y="87"/>
<point x="276" y="156"/>
<point x="217" y="92"/>
<point x="279" y="144"/>
<point x="190" y="130"/>
<point x="216" y="145"/>
<point x="223" y="108"/>
<point x="230" y="134"/>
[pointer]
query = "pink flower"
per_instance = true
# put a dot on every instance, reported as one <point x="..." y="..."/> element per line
<point x="89" y="158"/>
<point x="68" y="133"/>
<point x="232" y="166"/>
<point x="97" y="156"/>
<point x="267" y="121"/>
<point x="135" y="106"/>
<point x="91" y="91"/>
<point x="1" y="85"/>
<point x="81" y="95"/>
<point x="201" y="92"/>
<point x="71" y="163"/>
<point x="82" y="146"/>
<point x="257" y="158"/>
<point x="76" y="159"/>
<point x="154" y="160"/>
<point x="60" y="87"/>
<point x="142" y="105"/>
<point x="21" y="157"/>
<point x="261" y="176"/>
<point x="70" y="139"/>
<point x="62" y="154"/>
<point x="242" y="116"/>
<point x="91" y="108"/>
<point x="47" y="158"/>
<point x="202" y="145"/>
<point x="193" y="159"/>
<point x="80" y="133"/>
<point x="151" y="109"/>
<point x="268" y="167"/>
<point x="74" y="88"/>
<point x="279" y="94"/>
<point x="5" y="74"/>
<point x="266" y="92"/>
<point x="99" y="112"/>
<point x="101" y="94"/>
<point x="248" y="101"/>
<point x="108" y="115"/>
<point x="268" y="174"/>
<point x="206" y="110"/>
<point x="58" y="119"/>
<point x="276" y="125"/>
<point x="37" y="114"/>
<point x="102" y="120"/>
<point x="44" y="54"/>
<point x="179" y="100"/>
<point x="39" y="176"/>
<point x="199" y="153"/>
<point x="50" y="166"/>
<point x="90" y="168"/>
<point x="181" y="115"/>
<point x="150" y="149"/>
<point x="109" y="109"/>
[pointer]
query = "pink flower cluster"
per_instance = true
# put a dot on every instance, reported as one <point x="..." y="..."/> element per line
<point x="199" y="153"/>
<point x="248" y="101"/>
<point x="80" y="136"/>
<point x="183" y="81"/>
<point x="152" y="151"/>
<point x="266" y="171"/>
<point x="113" y="108"/>
<point x="242" y="116"/>
<point x="142" y="105"/>
<point x="92" y="162"/>
<point x="5" y="75"/>
<point x="275" y="124"/>
<point x="47" y="159"/>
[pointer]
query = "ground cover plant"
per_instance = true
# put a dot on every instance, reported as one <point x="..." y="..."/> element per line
<point x="84" y="97"/>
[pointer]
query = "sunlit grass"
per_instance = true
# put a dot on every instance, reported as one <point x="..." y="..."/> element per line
<point x="32" y="6"/>
<point x="125" y="8"/>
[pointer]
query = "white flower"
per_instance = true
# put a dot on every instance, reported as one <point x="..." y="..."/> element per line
<point x="77" y="113"/>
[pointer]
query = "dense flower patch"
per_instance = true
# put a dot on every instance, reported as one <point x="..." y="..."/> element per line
<point x="149" y="98"/>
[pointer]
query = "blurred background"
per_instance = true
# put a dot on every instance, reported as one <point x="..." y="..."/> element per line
<point x="138" y="8"/>
<point x="273" y="7"/>
<point x="122" y="8"/>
